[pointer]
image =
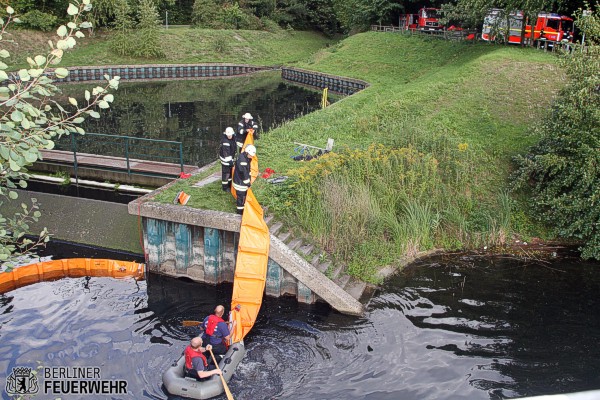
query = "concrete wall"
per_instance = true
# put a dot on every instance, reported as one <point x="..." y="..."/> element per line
<point x="101" y="175"/>
<point x="202" y="245"/>
<point x="92" y="222"/>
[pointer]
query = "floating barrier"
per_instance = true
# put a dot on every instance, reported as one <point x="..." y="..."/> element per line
<point x="178" y="384"/>
<point x="251" y="264"/>
<point x="248" y="289"/>
<point x="68" y="268"/>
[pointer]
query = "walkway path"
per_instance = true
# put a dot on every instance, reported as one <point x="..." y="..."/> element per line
<point x="116" y="163"/>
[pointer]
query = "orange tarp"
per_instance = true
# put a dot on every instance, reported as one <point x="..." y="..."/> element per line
<point x="251" y="264"/>
<point x="71" y="267"/>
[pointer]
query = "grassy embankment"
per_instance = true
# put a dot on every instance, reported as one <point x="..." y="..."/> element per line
<point x="182" y="45"/>
<point x="455" y="114"/>
<point x="449" y="117"/>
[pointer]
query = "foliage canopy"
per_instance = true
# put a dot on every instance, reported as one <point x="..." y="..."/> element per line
<point x="562" y="171"/>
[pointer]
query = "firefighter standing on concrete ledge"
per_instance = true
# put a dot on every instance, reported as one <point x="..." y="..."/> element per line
<point x="241" y="177"/>
<point x="226" y="155"/>
<point x="244" y="125"/>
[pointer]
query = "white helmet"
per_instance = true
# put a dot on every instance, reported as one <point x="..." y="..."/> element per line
<point x="251" y="150"/>
<point x="229" y="131"/>
<point x="247" y="116"/>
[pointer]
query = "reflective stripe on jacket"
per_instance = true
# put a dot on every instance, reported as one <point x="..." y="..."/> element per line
<point x="227" y="150"/>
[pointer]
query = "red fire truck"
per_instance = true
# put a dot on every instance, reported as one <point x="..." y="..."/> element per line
<point x="428" y="19"/>
<point x="548" y="26"/>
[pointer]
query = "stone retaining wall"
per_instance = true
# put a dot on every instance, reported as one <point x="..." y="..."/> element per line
<point x="161" y="72"/>
<point x="303" y="77"/>
<point x="318" y="80"/>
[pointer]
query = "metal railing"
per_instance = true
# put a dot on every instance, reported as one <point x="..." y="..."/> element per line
<point x="127" y="147"/>
<point x="442" y="33"/>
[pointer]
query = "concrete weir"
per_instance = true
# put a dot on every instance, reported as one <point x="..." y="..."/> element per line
<point x="201" y="245"/>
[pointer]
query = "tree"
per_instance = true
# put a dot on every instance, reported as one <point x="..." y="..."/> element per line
<point x="262" y="8"/>
<point x="120" y="41"/>
<point x="360" y="14"/>
<point x="148" y="31"/>
<point x="206" y="13"/>
<point x="30" y="120"/>
<point x="321" y="16"/>
<point x="290" y="13"/>
<point x="562" y="171"/>
<point x="104" y="12"/>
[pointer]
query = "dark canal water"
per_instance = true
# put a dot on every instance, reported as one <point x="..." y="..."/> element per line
<point x="459" y="327"/>
<point x="193" y="112"/>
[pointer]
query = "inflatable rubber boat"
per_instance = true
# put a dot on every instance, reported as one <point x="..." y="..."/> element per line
<point x="178" y="384"/>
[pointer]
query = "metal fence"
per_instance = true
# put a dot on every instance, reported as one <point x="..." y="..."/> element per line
<point x="442" y="34"/>
<point x="129" y="148"/>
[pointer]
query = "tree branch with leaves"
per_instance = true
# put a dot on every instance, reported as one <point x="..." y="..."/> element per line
<point x="30" y="120"/>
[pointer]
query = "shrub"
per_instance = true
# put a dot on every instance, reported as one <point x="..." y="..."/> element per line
<point x="220" y="44"/>
<point x="251" y="22"/>
<point x="232" y="16"/>
<point x="561" y="171"/>
<point x="38" y="20"/>
<point x="269" y="25"/>
<point x="206" y="14"/>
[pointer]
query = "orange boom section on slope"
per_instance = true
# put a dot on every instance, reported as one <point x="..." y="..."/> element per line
<point x="251" y="263"/>
<point x="72" y="268"/>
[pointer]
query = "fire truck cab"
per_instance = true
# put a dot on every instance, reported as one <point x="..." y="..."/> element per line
<point x="548" y="26"/>
<point x="554" y="27"/>
<point x="427" y="19"/>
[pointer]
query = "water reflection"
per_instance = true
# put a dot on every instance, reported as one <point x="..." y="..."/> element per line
<point x="193" y="112"/>
<point x="532" y="326"/>
<point x="448" y="328"/>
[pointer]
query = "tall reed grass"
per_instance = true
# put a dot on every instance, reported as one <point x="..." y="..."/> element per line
<point x="396" y="201"/>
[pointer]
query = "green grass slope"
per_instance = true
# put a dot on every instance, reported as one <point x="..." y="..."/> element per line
<point x="422" y="155"/>
<point x="190" y="45"/>
<point x="466" y="107"/>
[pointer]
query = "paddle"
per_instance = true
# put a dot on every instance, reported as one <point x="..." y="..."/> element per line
<point x="227" y="392"/>
<point x="191" y="323"/>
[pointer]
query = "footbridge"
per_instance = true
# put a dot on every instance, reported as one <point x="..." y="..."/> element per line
<point x="117" y="158"/>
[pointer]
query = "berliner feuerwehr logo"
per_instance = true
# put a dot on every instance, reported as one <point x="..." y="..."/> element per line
<point x="22" y="381"/>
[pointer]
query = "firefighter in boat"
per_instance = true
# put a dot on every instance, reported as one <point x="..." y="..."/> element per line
<point x="216" y="332"/>
<point x="196" y="364"/>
